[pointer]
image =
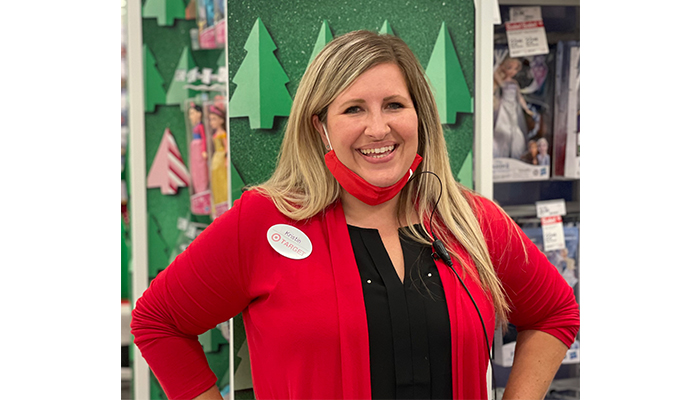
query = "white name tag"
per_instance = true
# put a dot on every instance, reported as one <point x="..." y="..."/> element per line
<point x="289" y="241"/>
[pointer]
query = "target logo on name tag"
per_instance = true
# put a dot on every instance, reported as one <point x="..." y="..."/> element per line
<point x="289" y="241"/>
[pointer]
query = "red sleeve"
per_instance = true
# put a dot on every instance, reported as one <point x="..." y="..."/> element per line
<point x="203" y="286"/>
<point x="538" y="295"/>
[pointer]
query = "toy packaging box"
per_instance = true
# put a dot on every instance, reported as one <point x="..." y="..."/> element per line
<point x="211" y="24"/>
<point x="567" y="114"/>
<point x="200" y="152"/>
<point x="522" y="116"/>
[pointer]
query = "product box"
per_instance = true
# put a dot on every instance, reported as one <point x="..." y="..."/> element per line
<point x="215" y="126"/>
<point x="567" y="115"/>
<point x="522" y="116"/>
<point x="565" y="259"/>
<point x="200" y="153"/>
<point x="211" y="23"/>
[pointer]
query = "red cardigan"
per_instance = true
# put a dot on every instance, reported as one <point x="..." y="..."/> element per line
<point x="305" y="319"/>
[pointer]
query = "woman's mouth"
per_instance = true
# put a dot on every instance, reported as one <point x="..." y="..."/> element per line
<point x="379" y="152"/>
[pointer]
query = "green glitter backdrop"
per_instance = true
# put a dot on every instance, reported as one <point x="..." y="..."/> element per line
<point x="294" y="26"/>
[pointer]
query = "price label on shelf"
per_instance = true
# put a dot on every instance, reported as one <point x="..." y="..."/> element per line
<point x="525" y="32"/>
<point x="549" y="208"/>
<point x="553" y="233"/>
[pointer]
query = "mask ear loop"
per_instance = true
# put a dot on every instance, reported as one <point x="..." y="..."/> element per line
<point x="328" y="146"/>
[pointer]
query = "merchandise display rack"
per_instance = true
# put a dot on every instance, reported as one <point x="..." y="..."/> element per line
<point x="518" y="198"/>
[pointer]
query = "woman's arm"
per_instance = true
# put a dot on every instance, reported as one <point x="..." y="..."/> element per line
<point x="538" y="356"/>
<point x="211" y="394"/>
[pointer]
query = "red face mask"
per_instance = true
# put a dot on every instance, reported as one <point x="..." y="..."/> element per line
<point x="360" y="188"/>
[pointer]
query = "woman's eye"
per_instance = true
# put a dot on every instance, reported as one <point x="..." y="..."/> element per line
<point x="352" y="110"/>
<point x="394" y="106"/>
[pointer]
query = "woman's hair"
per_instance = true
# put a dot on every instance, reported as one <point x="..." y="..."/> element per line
<point x="302" y="186"/>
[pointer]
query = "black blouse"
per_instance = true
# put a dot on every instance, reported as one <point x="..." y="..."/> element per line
<point x="409" y="327"/>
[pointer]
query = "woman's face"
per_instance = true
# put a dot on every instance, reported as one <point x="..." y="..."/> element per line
<point x="373" y="126"/>
<point x="542" y="147"/>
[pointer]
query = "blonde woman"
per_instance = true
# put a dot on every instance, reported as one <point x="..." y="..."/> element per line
<point x="362" y="268"/>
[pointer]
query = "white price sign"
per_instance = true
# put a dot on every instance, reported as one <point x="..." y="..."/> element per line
<point x="525" y="32"/>
<point x="553" y="233"/>
<point x="549" y="208"/>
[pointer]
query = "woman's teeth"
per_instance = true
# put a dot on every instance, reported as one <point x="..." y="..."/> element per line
<point x="379" y="152"/>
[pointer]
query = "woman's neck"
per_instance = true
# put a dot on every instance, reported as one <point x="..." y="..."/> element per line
<point x="381" y="216"/>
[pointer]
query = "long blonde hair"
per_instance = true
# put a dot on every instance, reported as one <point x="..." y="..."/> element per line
<point x="302" y="186"/>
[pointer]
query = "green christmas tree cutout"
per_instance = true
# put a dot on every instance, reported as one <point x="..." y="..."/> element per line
<point x="236" y="184"/>
<point x="153" y="82"/>
<point x="261" y="92"/>
<point x="445" y="74"/>
<point x="165" y="11"/>
<point x="179" y="92"/>
<point x="466" y="173"/>
<point x="324" y="37"/>
<point x="386" y="29"/>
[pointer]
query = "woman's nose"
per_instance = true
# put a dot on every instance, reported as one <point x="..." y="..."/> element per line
<point x="377" y="126"/>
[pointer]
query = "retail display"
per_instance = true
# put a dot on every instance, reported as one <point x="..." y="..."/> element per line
<point x="211" y="21"/>
<point x="523" y="107"/>
<point x="199" y="156"/>
<point x="567" y="108"/>
<point x="530" y="99"/>
<point x="215" y="114"/>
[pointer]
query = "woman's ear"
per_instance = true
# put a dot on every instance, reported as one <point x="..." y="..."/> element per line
<point x="319" y="128"/>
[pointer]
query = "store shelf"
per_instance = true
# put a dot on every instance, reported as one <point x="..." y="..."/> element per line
<point x="529" y="210"/>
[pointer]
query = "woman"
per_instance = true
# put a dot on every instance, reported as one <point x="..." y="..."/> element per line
<point x="330" y="261"/>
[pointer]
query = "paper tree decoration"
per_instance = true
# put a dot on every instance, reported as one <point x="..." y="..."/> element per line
<point x="236" y="184"/>
<point x="261" y="92"/>
<point x="177" y="92"/>
<point x="153" y="82"/>
<point x="386" y="29"/>
<point x="165" y="11"/>
<point x="324" y="36"/>
<point x="168" y="171"/>
<point x="466" y="173"/>
<point x="191" y="10"/>
<point x="445" y="74"/>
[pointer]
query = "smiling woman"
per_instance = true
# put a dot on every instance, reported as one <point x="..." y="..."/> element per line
<point x="363" y="181"/>
<point x="373" y="126"/>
